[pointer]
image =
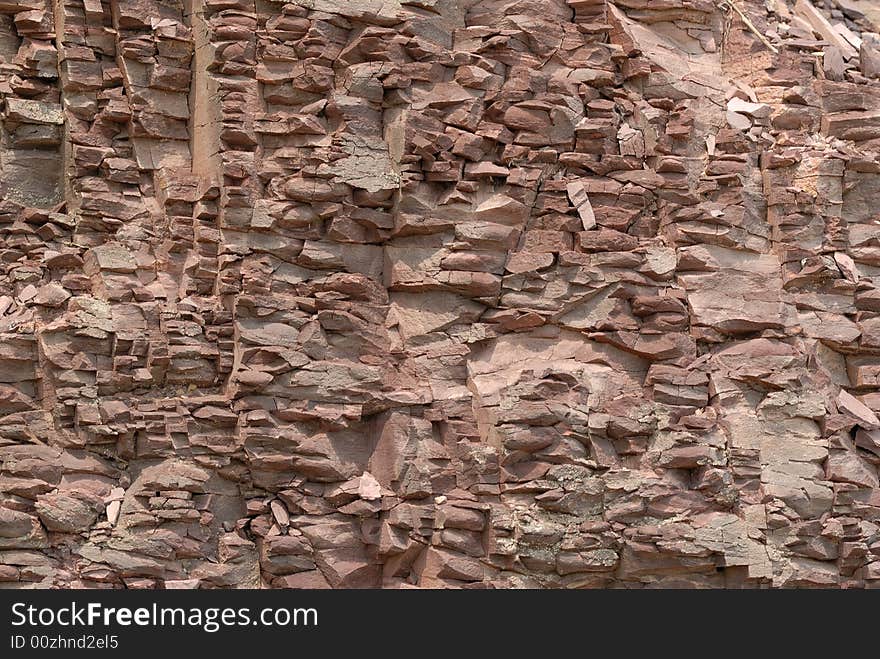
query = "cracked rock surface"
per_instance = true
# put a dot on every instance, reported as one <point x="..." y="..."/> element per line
<point x="439" y="294"/>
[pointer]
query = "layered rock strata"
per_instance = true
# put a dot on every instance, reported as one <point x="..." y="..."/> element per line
<point x="439" y="293"/>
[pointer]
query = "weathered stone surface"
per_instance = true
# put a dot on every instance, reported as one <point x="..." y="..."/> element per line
<point x="869" y="55"/>
<point x="330" y="294"/>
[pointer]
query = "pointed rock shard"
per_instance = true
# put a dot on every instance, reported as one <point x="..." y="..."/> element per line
<point x="113" y="509"/>
<point x="868" y="440"/>
<point x="501" y="209"/>
<point x="114" y="504"/>
<point x="738" y="121"/>
<point x="369" y="488"/>
<point x="279" y="512"/>
<point x="756" y="110"/>
<point x="847" y="266"/>
<point x="851" y="405"/>
<point x="806" y="10"/>
<point x="579" y="198"/>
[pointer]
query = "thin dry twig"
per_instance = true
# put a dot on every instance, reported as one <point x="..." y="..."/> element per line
<point x="748" y="21"/>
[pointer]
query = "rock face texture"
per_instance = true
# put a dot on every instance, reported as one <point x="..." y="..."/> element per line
<point x="439" y="293"/>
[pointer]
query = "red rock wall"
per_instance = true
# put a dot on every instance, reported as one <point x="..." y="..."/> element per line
<point x="439" y="293"/>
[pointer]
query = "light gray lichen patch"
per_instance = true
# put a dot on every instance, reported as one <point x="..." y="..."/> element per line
<point x="367" y="165"/>
<point x="35" y="112"/>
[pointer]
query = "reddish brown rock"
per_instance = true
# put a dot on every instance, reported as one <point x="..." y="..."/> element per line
<point x="325" y="294"/>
